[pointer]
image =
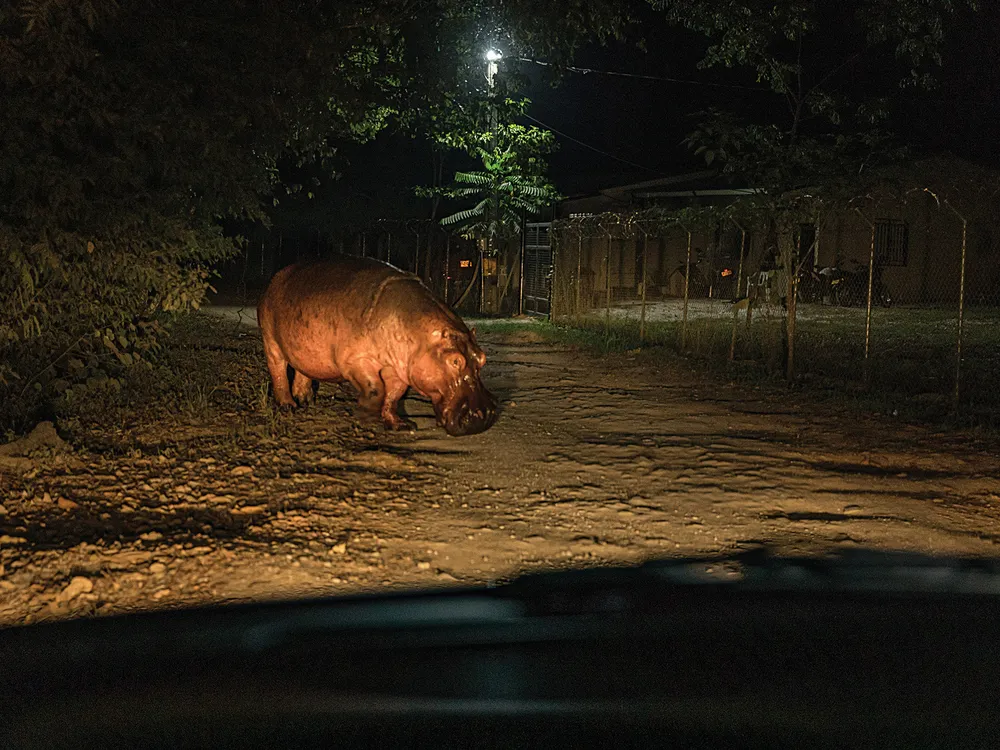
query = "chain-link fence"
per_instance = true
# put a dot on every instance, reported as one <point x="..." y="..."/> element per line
<point x="895" y="293"/>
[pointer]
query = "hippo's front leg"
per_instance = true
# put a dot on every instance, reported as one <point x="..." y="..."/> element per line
<point x="368" y="383"/>
<point x="395" y="389"/>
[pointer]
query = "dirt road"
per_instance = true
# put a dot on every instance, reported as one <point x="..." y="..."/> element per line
<point x="594" y="460"/>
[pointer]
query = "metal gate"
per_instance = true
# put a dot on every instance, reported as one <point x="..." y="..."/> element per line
<point x="537" y="268"/>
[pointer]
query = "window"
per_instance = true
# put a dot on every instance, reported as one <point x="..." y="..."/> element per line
<point x="891" y="242"/>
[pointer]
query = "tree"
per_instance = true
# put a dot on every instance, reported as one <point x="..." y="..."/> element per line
<point x="835" y="70"/>
<point x="511" y="185"/>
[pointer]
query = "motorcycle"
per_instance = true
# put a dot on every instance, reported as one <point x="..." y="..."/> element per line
<point x="848" y="287"/>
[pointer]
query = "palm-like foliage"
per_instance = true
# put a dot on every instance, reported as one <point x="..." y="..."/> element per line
<point x="511" y="185"/>
<point x="504" y="199"/>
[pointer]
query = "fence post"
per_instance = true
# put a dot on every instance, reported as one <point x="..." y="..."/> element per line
<point x="607" y="288"/>
<point x="739" y="282"/>
<point x="961" y="306"/>
<point x="447" y="267"/>
<point x="416" y="252"/>
<point x="579" y="270"/>
<point x="482" y="277"/>
<point x="520" y="272"/>
<point x="388" y="247"/>
<point x="364" y="245"/>
<point x="868" y="311"/>
<point x="791" y="308"/>
<point x="687" y="280"/>
<point x="553" y="279"/>
<point x="642" y="312"/>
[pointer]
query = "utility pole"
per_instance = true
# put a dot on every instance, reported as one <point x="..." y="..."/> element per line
<point x="493" y="57"/>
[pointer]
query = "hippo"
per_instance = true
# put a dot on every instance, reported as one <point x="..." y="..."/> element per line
<point x="379" y="328"/>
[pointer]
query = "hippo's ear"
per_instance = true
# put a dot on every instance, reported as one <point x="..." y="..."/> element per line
<point x="472" y="334"/>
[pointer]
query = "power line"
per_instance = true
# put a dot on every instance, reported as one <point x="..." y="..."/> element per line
<point x="687" y="81"/>
<point x="592" y="148"/>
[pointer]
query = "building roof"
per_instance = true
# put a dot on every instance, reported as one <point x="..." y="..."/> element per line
<point x="689" y="184"/>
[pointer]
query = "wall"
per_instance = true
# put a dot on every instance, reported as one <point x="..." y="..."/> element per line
<point x="931" y="273"/>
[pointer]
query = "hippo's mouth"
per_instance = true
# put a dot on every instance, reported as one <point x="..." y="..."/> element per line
<point x="468" y="412"/>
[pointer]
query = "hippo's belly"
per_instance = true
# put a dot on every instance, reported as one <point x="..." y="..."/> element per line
<point x="311" y="346"/>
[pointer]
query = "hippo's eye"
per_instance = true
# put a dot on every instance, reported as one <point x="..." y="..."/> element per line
<point x="457" y="361"/>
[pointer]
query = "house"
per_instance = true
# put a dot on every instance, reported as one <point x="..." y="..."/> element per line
<point x="917" y="239"/>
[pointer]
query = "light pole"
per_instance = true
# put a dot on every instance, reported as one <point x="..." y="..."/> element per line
<point x="493" y="58"/>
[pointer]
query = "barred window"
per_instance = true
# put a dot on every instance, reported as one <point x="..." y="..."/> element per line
<point x="892" y="242"/>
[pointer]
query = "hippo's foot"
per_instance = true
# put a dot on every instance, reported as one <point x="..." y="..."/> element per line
<point x="397" y="424"/>
<point x="302" y="390"/>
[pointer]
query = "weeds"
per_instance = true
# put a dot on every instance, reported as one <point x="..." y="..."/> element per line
<point x="910" y="370"/>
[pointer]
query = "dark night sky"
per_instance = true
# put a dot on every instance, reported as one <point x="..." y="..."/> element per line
<point x="643" y="121"/>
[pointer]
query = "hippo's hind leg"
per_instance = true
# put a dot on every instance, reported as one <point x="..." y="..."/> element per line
<point x="277" y="365"/>
<point x="303" y="388"/>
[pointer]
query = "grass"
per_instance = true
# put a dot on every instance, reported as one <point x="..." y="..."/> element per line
<point x="910" y="367"/>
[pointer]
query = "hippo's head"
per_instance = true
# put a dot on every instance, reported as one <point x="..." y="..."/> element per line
<point x="447" y="372"/>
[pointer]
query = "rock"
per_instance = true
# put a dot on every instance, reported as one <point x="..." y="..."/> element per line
<point x="240" y="471"/>
<point x="3" y="511"/>
<point x="78" y="585"/>
<point x="43" y="438"/>
<point x="16" y="463"/>
<point x="339" y="549"/>
<point x="6" y="539"/>
<point x="162" y="593"/>
<point x="128" y="559"/>
<point x="423" y="566"/>
<point x="157" y="568"/>
<point x="442" y="576"/>
<point x="66" y="504"/>
<point x="151" y="536"/>
<point x="249" y="510"/>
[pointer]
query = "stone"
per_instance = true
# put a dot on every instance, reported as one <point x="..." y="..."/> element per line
<point x="78" y="585"/>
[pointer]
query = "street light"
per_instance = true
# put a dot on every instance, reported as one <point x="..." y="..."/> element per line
<point x="493" y="56"/>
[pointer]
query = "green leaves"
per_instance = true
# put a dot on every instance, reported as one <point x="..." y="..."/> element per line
<point x="810" y="54"/>
<point x="511" y="186"/>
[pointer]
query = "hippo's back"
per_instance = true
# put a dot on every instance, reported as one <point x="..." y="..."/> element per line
<point x="343" y="287"/>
